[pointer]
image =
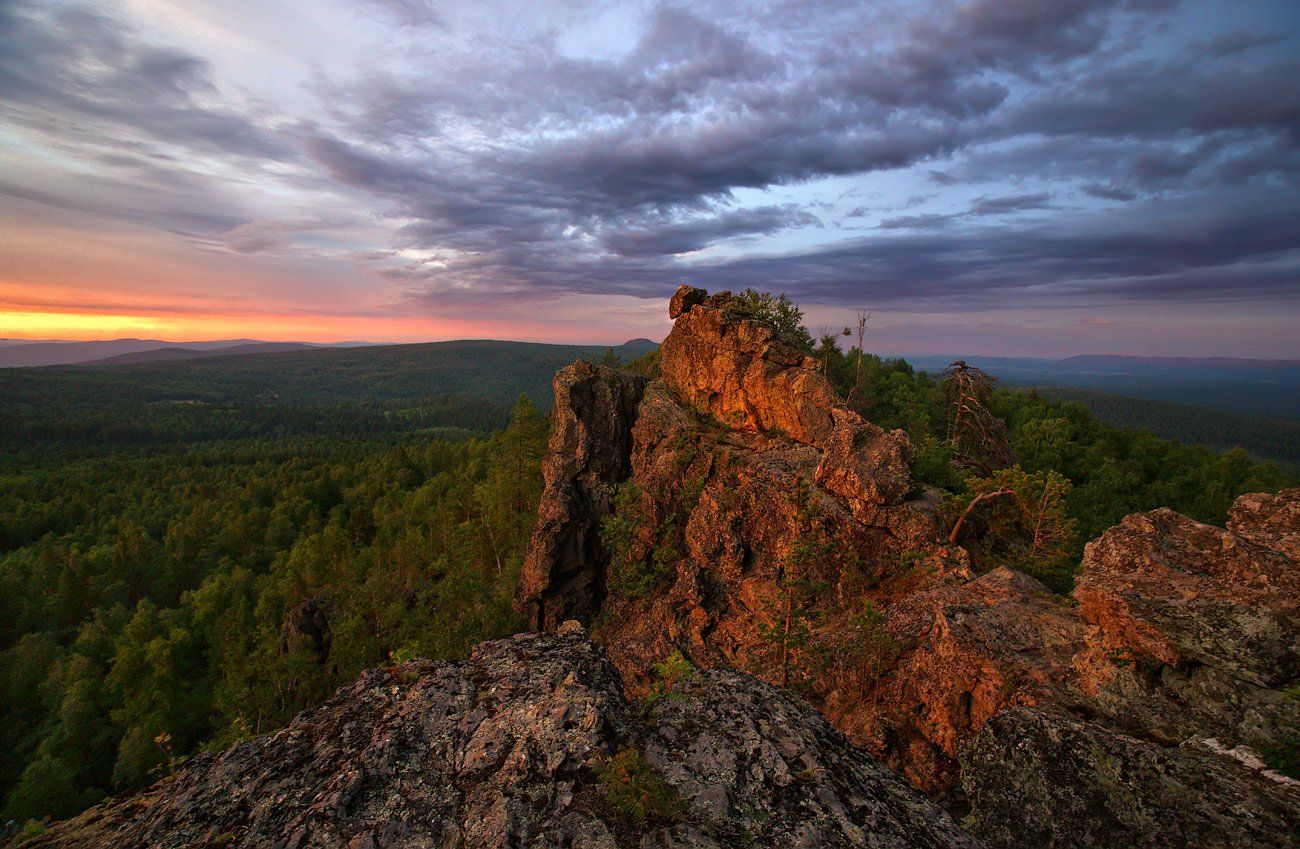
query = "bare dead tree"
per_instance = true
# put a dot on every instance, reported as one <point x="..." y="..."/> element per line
<point x="863" y="317"/>
<point x="977" y="434"/>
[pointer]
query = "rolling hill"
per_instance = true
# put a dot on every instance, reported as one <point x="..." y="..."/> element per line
<point x="181" y="353"/>
<point x="484" y="369"/>
<point x="1266" y="437"/>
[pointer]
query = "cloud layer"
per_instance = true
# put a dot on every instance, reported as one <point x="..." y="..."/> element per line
<point x="932" y="157"/>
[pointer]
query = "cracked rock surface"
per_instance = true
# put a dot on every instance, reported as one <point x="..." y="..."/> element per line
<point x="505" y="750"/>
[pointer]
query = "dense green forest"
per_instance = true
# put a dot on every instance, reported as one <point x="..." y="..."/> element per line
<point x="1107" y="472"/>
<point x="163" y="590"/>
<point x="483" y="369"/>
<point x="190" y="553"/>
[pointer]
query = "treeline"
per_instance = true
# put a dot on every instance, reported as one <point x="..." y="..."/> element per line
<point x="67" y="428"/>
<point x="483" y="370"/>
<point x="1267" y="437"/>
<point x="1111" y="472"/>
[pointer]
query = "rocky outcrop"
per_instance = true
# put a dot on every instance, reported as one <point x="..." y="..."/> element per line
<point x="1186" y="672"/>
<point x="1196" y="629"/>
<point x="563" y="575"/>
<point x="863" y="464"/>
<point x="745" y="469"/>
<point x="511" y="748"/>
<point x="970" y="648"/>
<point x="742" y="373"/>
<point x="1172" y="591"/>
<point x="1272" y="521"/>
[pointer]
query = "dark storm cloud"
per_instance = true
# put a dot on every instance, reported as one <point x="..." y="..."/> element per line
<point x="1012" y="203"/>
<point x="1154" y="99"/>
<point x="1116" y="193"/>
<point x="980" y="207"/>
<point x="692" y="235"/>
<point x="1239" y="41"/>
<point x="642" y="156"/>
<point x="929" y="221"/>
<point x="1193" y="258"/>
<point x="527" y="168"/>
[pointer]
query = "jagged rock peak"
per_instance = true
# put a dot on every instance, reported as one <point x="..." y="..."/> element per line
<point x="587" y="457"/>
<point x="741" y="372"/>
<point x="529" y="742"/>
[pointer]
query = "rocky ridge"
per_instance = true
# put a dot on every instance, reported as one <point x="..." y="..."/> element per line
<point x="743" y="458"/>
<point x="511" y="748"/>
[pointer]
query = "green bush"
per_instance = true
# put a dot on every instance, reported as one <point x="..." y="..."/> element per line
<point x="671" y="672"/>
<point x="635" y="791"/>
<point x="781" y="313"/>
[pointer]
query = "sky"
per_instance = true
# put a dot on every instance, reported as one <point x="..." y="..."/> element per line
<point x="997" y="177"/>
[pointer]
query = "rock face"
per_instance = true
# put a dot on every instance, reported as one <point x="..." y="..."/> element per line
<point x="588" y="455"/>
<point x="508" y="748"/>
<point x="1175" y="592"/>
<point x="1187" y="669"/>
<point x="1196" y="629"/>
<point x="747" y="468"/>
<point x="1272" y="521"/>
<point x="971" y="647"/>
<point x="742" y="373"/>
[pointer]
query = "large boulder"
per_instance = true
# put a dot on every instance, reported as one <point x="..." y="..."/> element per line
<point x="1185" y="675"/>
<point x="589" y="454"/>
<point x="529" y="742"/>
<point x="970" y="647"/>
<point x="1164" y="589"/>
<point x="864" y="464"/>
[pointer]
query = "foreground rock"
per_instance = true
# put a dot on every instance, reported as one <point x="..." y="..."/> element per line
<point x="1195" y="630"/>
<point x="1045" y="779"/>
<point x="508" y="749"/>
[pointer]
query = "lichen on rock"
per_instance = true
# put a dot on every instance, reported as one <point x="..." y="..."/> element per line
<point x="505" y="749"/>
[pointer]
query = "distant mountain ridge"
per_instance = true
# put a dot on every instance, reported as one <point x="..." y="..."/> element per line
<point x="1239" y="385"/>
<point x="182" y="353"/>
<point x="490" y="370"/>
<point x="1123" y="361"/>
<point x="1111" y="363"/>
<point x="19" y="353"/>
<point x="24" y="353"/>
